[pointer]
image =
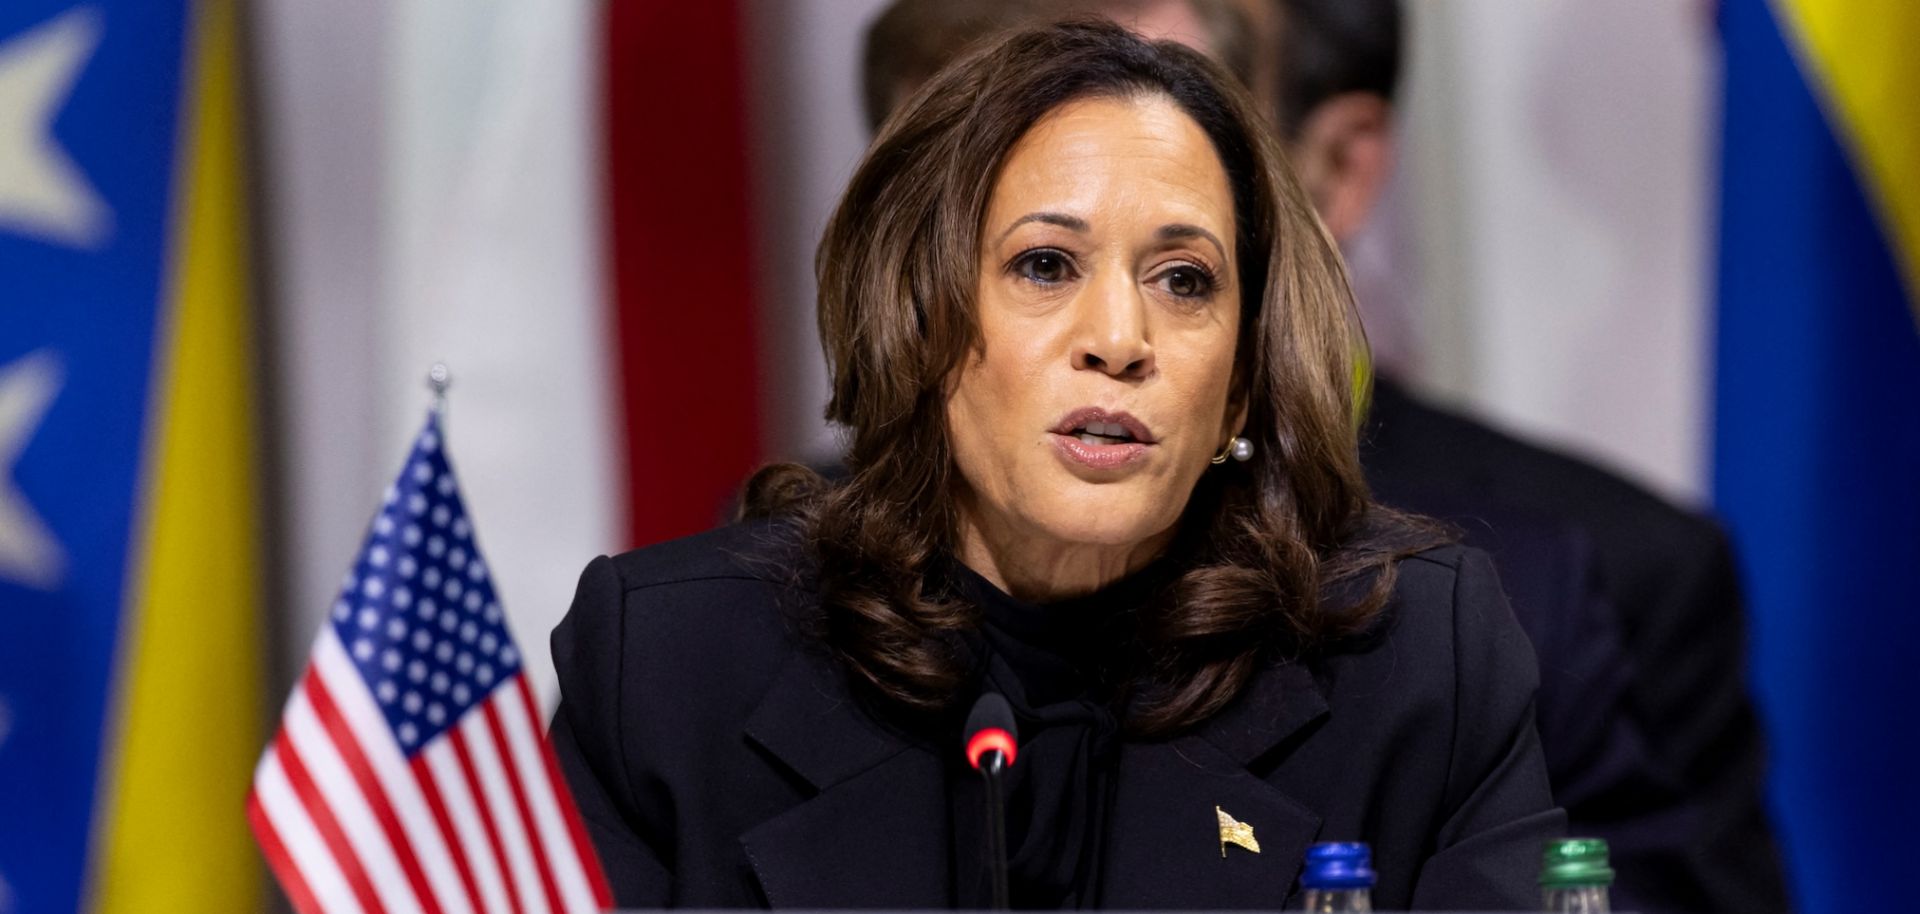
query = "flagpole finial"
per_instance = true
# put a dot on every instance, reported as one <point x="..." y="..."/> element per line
<point x="439" y="378"/>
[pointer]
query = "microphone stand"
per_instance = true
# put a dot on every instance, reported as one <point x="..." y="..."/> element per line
<point x="992" y="745"/>
<point x="992" y="765"/>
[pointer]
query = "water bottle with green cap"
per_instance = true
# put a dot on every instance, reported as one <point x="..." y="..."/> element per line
<point x="1574" y="876"/>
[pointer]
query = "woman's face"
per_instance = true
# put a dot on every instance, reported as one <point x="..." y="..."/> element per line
<point x="1108" y="313"/>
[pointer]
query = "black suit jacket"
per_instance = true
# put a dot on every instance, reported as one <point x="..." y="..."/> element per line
<point x="720" y="759"/>
<point x="1674" y="779"/>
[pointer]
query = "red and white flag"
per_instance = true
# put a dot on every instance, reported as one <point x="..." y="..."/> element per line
<point x="410" y="772"/>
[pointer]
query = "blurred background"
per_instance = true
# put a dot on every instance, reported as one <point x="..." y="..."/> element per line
<point x="234" y="238"/>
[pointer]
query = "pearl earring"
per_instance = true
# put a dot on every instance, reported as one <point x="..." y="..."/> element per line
<point x="1240" y="449"/>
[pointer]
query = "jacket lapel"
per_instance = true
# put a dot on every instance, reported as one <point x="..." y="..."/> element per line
<point x="1164" y="846"/>
<point x="876" y="833"/>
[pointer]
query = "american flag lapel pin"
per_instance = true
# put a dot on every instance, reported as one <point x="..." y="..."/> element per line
<point x="1235" y="832"/>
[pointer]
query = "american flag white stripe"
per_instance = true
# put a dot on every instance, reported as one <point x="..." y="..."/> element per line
<point x="396" y="780"/>
<point x="326" y="824"/>
<point x="342" y="795"/>
<point x="517" y="788"/>
<point x="499" y="799"/>
<point x="583" y="854"/>
<point x="306" y="851"/>
<point x="463" y="808"/>
<point x="361" y="771"/>
<point x="523" y="741"/>
<point x="278" y="856"/>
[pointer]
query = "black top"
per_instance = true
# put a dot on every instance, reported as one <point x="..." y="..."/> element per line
<point x="1061" y="667"/>
<point x="721" y="758"/>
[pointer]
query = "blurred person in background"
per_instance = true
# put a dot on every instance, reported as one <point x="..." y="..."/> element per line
<point x="1632" y="602"/>
<point x="1095" y="357"/>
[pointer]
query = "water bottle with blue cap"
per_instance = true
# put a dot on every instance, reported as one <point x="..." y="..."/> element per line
<point x="1338" y="877"/>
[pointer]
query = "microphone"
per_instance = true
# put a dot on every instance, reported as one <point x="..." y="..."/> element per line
<point x="992" y="744"/>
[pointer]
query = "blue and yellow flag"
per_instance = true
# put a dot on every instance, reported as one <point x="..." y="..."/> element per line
<point x="130" y="653"/>
<point x="1817" y="425"/>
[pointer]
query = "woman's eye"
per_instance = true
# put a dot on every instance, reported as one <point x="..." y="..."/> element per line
<point x="1044" y="267"/>
<point x="1187" y="282"/>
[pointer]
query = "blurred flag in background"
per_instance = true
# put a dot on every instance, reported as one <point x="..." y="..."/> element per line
<point x="1817" y="432"/>
<point x="129" y="541"/>
<point x="552" y="199"/>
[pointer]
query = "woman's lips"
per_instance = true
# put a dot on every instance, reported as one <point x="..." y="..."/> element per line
<point x="1114" y="423"/>
<point x="1098" y="456"/>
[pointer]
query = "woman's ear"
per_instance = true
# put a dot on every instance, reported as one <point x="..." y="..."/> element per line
<point x="1237" y="409"/>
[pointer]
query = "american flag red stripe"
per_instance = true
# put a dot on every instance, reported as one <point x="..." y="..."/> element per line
<point x="363" y="778"/>
<point x="576" y="829"/>
<point x="520" y="805"/>
<point x="437" y="807"/>
<point x="440" y="779"/>
<point x="476" y="794"/>
<point x="352" y="720"/>
<point x="440" y="768"/>
<point x="328" y="826"/>
<point x="304" y="860"/>
<point x="497" y="786"/>
<point x="526" y="750"/>
<point x="506" y="828"/>
<point x="277" y="857"/>
<point x="316" y="770"/>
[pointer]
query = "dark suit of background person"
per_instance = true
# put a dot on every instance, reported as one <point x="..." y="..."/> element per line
<point x="1668" y="578"/>
<point x="720" y="760"/>
<point x="1598" y="757"/>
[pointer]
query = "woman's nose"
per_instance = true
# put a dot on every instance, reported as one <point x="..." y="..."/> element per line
<point x="1111" y="332"/>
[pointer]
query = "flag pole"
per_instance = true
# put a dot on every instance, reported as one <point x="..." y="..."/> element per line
<point x="439" y="378"/>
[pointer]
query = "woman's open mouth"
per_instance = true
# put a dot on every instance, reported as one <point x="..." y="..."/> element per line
<point x="1101" y="440"/>
<point x="1103" y="433"/>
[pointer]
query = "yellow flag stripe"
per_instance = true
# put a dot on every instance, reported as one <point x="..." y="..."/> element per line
<point x="1860" y="55"/>
<point x="171" y="834"/>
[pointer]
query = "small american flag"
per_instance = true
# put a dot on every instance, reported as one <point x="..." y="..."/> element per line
<point x="410" y="773"/>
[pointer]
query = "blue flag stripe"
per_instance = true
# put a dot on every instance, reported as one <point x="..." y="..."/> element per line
<point x="1817" y="471"/>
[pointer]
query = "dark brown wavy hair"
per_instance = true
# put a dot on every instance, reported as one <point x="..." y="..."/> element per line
<point x="1264" y="546"/>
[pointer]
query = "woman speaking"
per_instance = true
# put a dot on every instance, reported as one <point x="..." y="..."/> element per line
<point x="1096" y="361"/>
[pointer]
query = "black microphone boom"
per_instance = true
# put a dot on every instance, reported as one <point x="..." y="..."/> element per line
<point x="992" y="744"/>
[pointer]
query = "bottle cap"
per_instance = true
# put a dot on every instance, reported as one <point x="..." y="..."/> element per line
<point x="1338" y="865"/>
<point x="1570" y="862"/>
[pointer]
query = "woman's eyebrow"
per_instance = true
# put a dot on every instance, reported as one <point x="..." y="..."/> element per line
<point x="1181" y="231"/>
<point x="1070" y="223"/>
